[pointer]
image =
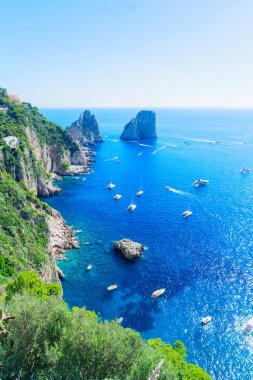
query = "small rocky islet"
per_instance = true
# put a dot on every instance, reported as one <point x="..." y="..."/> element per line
<point x="131" y="250"/>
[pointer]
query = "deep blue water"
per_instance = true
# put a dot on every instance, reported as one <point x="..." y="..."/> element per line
<point x="205" y="263"/>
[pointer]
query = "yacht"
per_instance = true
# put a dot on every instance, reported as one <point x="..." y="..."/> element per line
<point x="89" y="267"/>
<point x="244" y="170"/>
<point x="112" y="287"/>
<point x="200" y="182"/>
<point x="186" y="213"/>
<point x="140" y="192"/>
<point x="132" y="207"/>
<point x="206" y="320"/>
<point x="157" y="293"/>
<point x="111" y="186"/>
<point x="119" y="320"/>
<point x="248" y="328"/>
<point x="117" y="196"/>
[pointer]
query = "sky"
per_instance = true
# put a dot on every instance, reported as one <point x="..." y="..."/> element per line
<point x="128" y="53"/>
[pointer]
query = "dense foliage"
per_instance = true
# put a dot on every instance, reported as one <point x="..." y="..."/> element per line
<point x="23" y="229"/>
<point x="48" y="341"/>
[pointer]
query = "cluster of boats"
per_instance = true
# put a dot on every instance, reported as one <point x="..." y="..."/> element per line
<point x="117" y="196"/>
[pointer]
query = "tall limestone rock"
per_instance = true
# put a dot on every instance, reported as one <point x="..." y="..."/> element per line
<point x="85" y="130"/>
<point x="141" y="127"/>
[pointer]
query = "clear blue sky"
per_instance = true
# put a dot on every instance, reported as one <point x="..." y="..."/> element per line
<point x="130" y="53"/>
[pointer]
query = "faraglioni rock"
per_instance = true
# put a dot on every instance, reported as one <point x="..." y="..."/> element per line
<point x="130" y="249"/>
<point x="141" y="127"/>
<point x="85" y="130"/>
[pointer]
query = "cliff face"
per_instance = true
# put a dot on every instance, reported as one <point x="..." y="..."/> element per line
<point x="85" y="130"/>
<point x="43" y="148"/>
<point x="143" y="126"/>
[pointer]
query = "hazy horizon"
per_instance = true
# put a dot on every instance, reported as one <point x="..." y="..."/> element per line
<point x="131" y="54"/>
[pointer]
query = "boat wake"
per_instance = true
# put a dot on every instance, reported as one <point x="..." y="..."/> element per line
<point x="183" y="193"/>
<point x="146" y="145"/>
<point x="112" y="159"/>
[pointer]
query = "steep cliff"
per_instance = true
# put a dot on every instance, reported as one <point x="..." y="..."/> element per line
<point x="141" y="127"/>
<point x="85" y="130"/>
<point x="41" y="147"/>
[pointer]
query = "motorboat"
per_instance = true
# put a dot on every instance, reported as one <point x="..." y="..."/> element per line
<point x="117" y="196"/>
<point x="248" y="328"/>
<point x="206" y="320"/>
<point x="119" y="320"/>
<point x="111" y="185"/>
<point x="112" y="287"/>
<point x="140" y="192"/>
<point x="89" y="267"/>
<point x="200" y="182"/>
<point x="157" y="293"/>
<point x="168" y="188"/>
<point x="132" y="207"/>
<point x="244" y="170"/>
<point x="186" y="213"/>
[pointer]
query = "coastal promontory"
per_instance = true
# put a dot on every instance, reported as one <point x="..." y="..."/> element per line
<point x="130" y="249"/>
<point x="141" y="127"/>
<point x="85" y="131"/>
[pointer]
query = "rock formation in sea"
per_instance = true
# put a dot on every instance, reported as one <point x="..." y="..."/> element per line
<point x="85" y="130"/>
<point x="130" y="249"/>
<point x="141" y="127"/>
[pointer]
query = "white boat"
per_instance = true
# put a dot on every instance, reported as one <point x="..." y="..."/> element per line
<point x="168" y="188"/>
<point x="200" y="182"/>
<point x="89" y="267"/>
<point x="140" y="154"/>
<point x="112" y="287"/>
<point x="186" y="213"/>
<point x="248" y="328"/>
<point x="117" y="196"/>
<point x="206" y="320"/>
<point x="157" y="293"/>
<point x="132" y="207"/>
<point x="140" y="192"/>
<point x="111" y="185"/>
<point x="244" y="170"/>
<point x="119" y="320"/>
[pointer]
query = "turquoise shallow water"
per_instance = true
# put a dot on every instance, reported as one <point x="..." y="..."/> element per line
<point x="205" y="263"/>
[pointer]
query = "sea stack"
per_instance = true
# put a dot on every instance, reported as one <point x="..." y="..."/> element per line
<point x="141" y="127"/>
<point x="85" y="130"/>
<point x="130" y="249"/>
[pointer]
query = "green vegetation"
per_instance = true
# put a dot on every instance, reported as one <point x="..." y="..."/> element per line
<point x="46" y="340"/>
<point x="23" y="229"/>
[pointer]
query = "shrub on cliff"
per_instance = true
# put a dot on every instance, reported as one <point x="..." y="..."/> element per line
<point x="46" y="340"/>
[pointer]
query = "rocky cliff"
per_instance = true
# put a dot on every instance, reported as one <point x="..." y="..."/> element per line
<point x="42" y="149"/>
<point x="85" y="130"/>
<point x="141" y="127"/>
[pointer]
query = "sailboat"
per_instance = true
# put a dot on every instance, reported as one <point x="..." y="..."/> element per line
<point x="140" y="192"/>
<point x="132" y="206"/>
<point x="110" y="185"/>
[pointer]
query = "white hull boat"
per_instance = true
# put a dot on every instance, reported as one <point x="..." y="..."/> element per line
<point x="244" y="170"/>
<point x="111" y="186"/>
<point x="206" y="320"/>
<point x="140" y="192"/>
<point x="89" y="267"/>
<point x="157" y="293"/>
<point x="131" y="207"/>
<point x="200" y="182"/>
<point x="117" y="197"/>
<point x="112" y="287"/>
<point x="248" y="328"/>
<point x="186" y="214"/>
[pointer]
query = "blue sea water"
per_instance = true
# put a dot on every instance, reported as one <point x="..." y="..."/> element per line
<point x="205" y="262"/>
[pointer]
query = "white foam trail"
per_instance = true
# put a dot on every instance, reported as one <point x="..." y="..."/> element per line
<point x="140" y="154"/>
<point x="148" y="146"/>
<point x="113" y="140"/>
<point x="163" y="147"/>
<point x="201" y="140"/>
<point x="174" y="146"/>
<point x="154" y="152"/>
<point x="112" y="159"/>
<point x="180" y="192"/>
<point x="130" y="141"/>
<point x="236" y="142"/>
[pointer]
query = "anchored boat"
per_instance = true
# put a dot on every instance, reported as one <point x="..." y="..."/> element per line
<point x="89" y="267"/>
<point x="186" y="214"/>
<point x="112" y="287"/>
<point x="200" y="182"/>
<point x="117" y="196"/>
<point x="157" y="293"/>
<point x="110" y="185"/>
<point x="206" y="320"/>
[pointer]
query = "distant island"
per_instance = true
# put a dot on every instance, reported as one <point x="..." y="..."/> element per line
<point x="141" y="127"/>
